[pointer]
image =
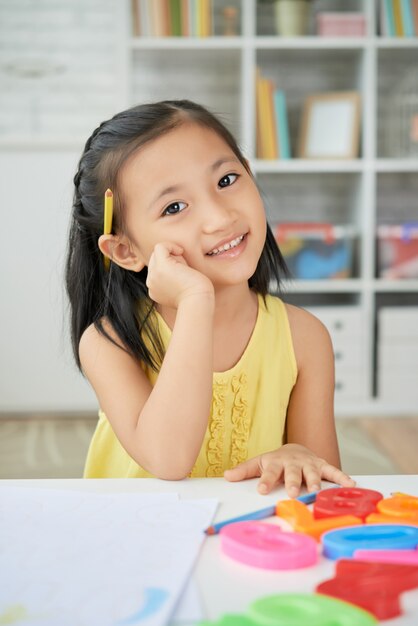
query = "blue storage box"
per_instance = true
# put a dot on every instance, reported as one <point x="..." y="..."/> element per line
<point x="316" y="250"/>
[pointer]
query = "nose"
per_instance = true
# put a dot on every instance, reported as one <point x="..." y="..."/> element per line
<point x="218" y="216"/>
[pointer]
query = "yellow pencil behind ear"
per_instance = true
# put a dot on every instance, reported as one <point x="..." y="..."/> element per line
<point x="108" y="219"/>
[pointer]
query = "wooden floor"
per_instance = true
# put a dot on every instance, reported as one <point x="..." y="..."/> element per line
<point x="398" y="439"/>
<point x="44" y="446"/>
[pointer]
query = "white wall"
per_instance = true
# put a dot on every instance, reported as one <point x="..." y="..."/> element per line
<point x="37" y="371"/>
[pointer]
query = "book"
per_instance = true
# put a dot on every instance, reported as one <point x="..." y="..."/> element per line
<point x="205" y="21"/>
<point x="265" y="119"/>
<point x="282" y="126"/>
<point x="136" y="22"/>
<point x="397" y="15"/>
<point x="407" y="18"/>
<point x="185" y="18"/>
<point x="389" y="19"/>
<point x="414" y="6"/>
<point x="270" y="121"/>
<point x="175" y="14"/>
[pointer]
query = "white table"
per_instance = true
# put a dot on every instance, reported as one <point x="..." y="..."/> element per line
<point x="226" y="586"/>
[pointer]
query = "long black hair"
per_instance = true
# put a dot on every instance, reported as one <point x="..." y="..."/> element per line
<point x="96" y="293"/>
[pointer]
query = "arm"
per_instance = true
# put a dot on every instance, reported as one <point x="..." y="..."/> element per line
<point x="311" y="449"/>
<point x="161" y="427"/>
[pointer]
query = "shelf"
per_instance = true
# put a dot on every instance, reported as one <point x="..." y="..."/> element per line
<point x="309" y="43"/>
<point x="114" y="70"/>
<point x="397" y="165"/>
<point x="302" y="166"/>
<point x="386" y="43"/>
<point x="381" y="285"/>
<point x="186" y="43"/>
<point x="348" y="285"/>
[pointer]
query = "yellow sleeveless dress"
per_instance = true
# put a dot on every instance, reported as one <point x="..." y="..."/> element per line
<point x="248" y="410"/>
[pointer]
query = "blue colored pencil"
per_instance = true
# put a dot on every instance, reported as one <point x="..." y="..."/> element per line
<point x="269" y="511"/>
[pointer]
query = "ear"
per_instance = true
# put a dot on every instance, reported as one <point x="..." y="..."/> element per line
<point x="121" y="251"/>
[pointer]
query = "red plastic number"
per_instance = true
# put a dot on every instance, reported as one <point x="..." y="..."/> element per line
<point x="346" y="501"/>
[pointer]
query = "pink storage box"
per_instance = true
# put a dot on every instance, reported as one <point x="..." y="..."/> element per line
<point x="340" y="25"/>
<point x="397" y="251"/>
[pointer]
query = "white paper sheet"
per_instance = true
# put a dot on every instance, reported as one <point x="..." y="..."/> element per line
<point x="72" y="558"/>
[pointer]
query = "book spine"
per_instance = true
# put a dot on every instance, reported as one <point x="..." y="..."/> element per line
<point x="415" y="15"/>
<point x="272" y="130"/>
<point x="259" y="136"/>
<point x="390" y="18"/>
<point x="136" y="20"/>
<point x="383" y="22"/>
<point x="397" y="14"/>
<point x="407" y="18"/>
<point x="205" y="18"/>
<point x="282" y="125"/>
<point x="192" y="18"/>
<point x="185" y="21"/>
<point x="175" y="13"/>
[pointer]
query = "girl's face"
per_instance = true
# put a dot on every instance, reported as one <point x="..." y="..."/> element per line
<point x="189" y="188"/>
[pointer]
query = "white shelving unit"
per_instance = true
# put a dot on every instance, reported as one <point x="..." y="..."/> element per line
<point x="378" y="187"/>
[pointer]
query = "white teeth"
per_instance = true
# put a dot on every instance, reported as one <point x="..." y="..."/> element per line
<point x="227" y="246"/>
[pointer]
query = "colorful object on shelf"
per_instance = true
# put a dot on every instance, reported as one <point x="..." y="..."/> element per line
<point x="294" y="609"/>
<point x="375" y="587"/>
<point x="397" y="251"/>
<point x="273" y="139"/>
<point x="301" y="519"/>
<point x="403" y="557"/>
<point x="342" y="24"/>
<point x="346" y="501"/>
<point x="267" y="546"/>
<point x="400" y="509"/>
<point x="399" y="18"/>
<point x="344" y="541"/>
<point x="316" y="250"/>
<point x="173" y="18"/>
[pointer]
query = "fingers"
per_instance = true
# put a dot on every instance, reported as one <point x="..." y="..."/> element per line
<point x="272" y="471"/>
<point x="334" y="475"/>
<point x="248" y="469"/>
<point x="166" y="249"/>
<point x="294" y="470"/>
<point x="293" y="479"/>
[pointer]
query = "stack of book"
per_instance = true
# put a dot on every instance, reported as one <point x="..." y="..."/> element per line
<point x="272" y="123"/>
<point x="172" y="18"/>
<point x="399" y="18"/>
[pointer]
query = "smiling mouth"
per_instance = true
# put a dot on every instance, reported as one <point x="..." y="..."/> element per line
<point x="228" y="246"/>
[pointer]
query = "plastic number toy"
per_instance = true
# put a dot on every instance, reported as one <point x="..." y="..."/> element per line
<point x="298" y="609"/>
<point x="267" y="546"/>
<point x="376" y="587"/>
<point x="344" y="541"/>
<point x="346" y="501"/>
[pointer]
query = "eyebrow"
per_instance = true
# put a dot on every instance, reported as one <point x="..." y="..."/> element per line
<point x="215" y="166"/>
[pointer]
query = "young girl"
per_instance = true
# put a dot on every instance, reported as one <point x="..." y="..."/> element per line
<point x="197" y="369"/>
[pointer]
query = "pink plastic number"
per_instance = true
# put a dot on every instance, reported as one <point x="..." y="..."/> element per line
<point x="267" y="546"/>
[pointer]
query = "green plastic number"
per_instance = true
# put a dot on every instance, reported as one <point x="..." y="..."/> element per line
<point x="297" y="609"/>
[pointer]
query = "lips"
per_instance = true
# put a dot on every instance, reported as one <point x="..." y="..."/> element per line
<point x="232" y="243"/>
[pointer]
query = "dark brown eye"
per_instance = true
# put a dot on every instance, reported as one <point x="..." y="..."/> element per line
<point x="174" y="208"/>
<point x="228" y="180"/>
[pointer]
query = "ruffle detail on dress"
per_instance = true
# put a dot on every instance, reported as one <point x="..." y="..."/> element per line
<point x="215" y="445"/>
<point x="240" y="421"/>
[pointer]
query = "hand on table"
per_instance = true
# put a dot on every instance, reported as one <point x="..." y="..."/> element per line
<point x="291" y="464"/>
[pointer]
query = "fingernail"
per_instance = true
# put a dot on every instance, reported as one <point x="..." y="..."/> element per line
<point x="262" y="488"/>
<point x="314" y="488"/>
<point x="293" y="492"/>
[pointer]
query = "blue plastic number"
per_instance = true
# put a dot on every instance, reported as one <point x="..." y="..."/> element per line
<point x="344" y="541"/>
